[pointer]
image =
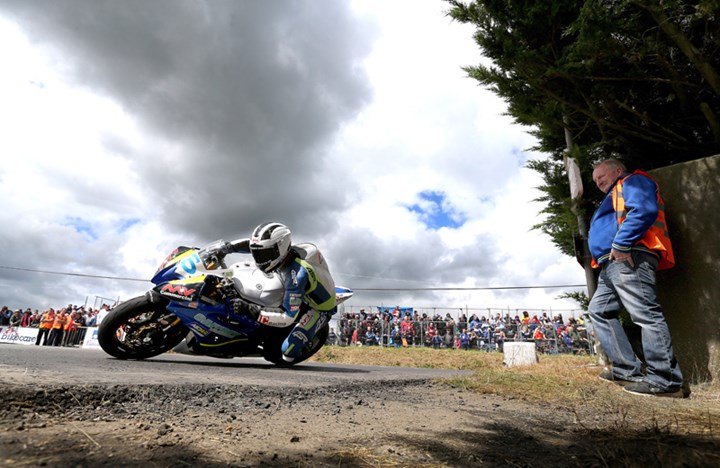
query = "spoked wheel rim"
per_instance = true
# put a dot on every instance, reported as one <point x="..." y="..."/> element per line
<point x="147" y="331"/>
<point x="138" y="329"/>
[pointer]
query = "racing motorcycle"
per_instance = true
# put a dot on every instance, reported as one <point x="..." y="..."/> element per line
<point x="199" y="306"/>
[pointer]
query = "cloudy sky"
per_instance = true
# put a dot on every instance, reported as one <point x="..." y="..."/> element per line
<point x="132" y="127"/>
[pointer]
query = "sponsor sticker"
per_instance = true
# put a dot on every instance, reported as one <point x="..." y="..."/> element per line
<point x="300" y="336"/>
<point x="305" y="319"/>
<point x="197" y="329"/>
<point x="177" y="291"/>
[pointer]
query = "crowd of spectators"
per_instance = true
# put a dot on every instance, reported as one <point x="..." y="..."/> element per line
<point x="489" y="333"/>
<point x="398" y="327"/>
<point x="64" y="326"/>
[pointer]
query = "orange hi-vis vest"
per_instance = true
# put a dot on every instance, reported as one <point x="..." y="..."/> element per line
<point x="69" y="323"/>
<point x="59" y="322"/>
<point x="47" y="320"/>
<point x="657" y="238"/>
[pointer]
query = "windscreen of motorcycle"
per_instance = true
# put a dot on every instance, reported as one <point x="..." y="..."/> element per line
<point x="256" y="286"/>
<point x="183" y="262"/>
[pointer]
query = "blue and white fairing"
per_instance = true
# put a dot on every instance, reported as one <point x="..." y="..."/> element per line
<point x="184" y="265"/>
<point x="183" y="262"/>
<point x="343" y="294"/>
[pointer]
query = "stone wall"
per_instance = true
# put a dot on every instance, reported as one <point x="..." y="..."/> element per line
<point x="690" y="292"/>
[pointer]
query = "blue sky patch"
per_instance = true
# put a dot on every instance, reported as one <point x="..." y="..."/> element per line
<point x="436" y="212"/>
<point x="126" y="224"/>
<point x="82" y="226"/>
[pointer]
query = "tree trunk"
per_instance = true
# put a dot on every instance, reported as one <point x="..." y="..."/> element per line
<point x="691" y="52"/>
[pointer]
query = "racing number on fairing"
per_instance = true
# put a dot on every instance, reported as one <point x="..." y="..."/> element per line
<point x="189" y="264"/>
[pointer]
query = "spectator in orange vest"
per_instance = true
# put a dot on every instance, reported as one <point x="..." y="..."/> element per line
<point x="46" y="324"/>
<point x="56" y="333"/>
<point x="629" y="243"/>
<point x="68" y="328"/>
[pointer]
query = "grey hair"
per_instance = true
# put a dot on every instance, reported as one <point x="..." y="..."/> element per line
<point x="612" y="162"/>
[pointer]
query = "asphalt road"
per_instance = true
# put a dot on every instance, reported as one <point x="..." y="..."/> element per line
<point x="43" y="365"/>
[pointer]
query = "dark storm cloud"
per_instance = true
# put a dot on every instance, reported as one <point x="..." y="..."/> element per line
<point x="422" y="263"/>
<point x="399" y="267"/>
<point x="248" y="92"/>
<point x="237" y="104"/>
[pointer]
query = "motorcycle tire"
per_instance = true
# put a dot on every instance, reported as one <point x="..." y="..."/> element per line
<point x="272" y="349"/>
<point x="140" y="329"/>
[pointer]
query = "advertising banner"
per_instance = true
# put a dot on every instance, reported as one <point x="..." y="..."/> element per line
<point x="18" y="335"/>
<point x="91" y="338"/>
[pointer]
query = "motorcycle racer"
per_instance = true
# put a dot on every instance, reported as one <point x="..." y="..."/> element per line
<point x="309" y="286"/>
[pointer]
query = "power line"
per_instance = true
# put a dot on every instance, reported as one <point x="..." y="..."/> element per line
<point x="488" y="288"/>
<point x="473" y="289"/>
<point x="65" y="273"/>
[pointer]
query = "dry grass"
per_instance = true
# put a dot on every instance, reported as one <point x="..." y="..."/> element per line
<point x="408" y="357"/>
<point x="562" y="382"/>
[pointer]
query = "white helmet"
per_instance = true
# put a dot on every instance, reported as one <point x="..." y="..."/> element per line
<point x="269" y="245"/>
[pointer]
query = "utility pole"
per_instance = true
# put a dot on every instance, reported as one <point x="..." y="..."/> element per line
<point x="582" y="251"/>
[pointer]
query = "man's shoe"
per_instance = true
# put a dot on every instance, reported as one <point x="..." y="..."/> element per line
<point x="608" y="376"/>
<point x="645" y="389"/>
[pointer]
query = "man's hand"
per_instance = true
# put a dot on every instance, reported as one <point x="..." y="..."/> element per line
<point x="617" y="256"/>
<point x="242" y="307"/>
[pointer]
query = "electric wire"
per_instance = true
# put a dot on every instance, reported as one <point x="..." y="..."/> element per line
<point x="67" y="273"/>
<point x="486" y="288"/>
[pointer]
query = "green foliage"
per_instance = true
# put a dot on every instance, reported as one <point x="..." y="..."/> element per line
<point x="634" y="79"/>
<point x="578" y="296"/>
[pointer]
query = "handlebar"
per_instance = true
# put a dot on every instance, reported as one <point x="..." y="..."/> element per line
<point x="213" y="254"/>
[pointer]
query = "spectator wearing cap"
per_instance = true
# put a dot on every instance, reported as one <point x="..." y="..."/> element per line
<point x="16" y="318"/>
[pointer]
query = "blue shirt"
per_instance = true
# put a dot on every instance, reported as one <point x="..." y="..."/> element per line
<point x="640" y="195"/>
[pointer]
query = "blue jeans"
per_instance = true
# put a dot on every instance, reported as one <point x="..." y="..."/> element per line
<point x="634" y="289"/>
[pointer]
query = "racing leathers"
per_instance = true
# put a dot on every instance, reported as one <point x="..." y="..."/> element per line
<point x="309" y="291"/>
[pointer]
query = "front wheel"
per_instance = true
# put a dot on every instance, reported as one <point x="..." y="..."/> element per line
<point x="139" y="329"/>
<point x="272" y="348"/>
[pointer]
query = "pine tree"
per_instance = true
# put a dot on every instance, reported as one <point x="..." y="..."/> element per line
<point x="633" y="79"/>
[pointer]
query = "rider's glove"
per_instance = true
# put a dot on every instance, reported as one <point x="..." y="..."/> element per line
<point x="223" y="250"/>
<point x="243" y="307"/>
<point x="238" y="246"/>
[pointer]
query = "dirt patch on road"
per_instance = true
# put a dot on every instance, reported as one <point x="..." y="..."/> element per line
<point x="416" y="423"/>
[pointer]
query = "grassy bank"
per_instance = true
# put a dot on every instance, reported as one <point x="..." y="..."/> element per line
<point x="567" y="383"/>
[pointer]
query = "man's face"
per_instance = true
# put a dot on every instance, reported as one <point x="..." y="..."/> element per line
<point x="605" y="176"/>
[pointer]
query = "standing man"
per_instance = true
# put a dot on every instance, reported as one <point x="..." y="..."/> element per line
<point x="629" y="242"/>
<point x="56" y="333"/>
<point x="46" y="324"/>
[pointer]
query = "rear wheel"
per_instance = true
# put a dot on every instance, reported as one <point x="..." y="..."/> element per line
<point x="139" y="329"/>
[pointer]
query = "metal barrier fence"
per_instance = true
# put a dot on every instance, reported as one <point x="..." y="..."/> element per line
<point x="434" y="334"/>
<point x="440" y="334"/>
<point x="70" y="338"/>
